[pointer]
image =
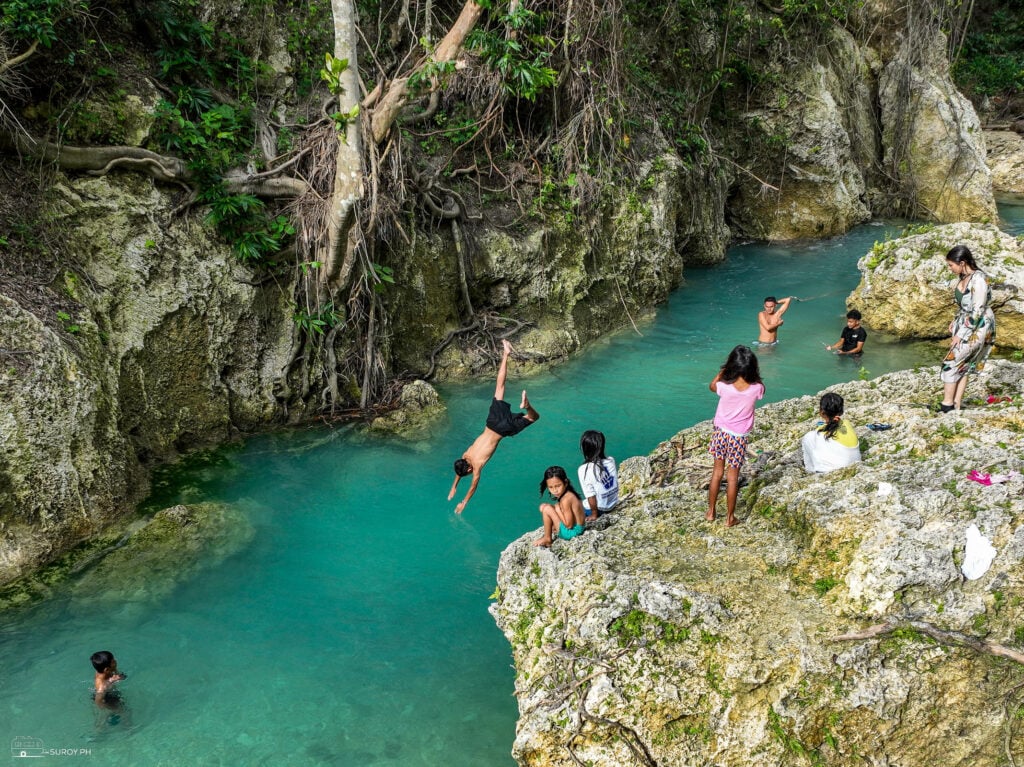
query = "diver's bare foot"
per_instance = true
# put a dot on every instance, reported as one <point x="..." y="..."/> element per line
<point x="731" y="521"/>
<point x="506" y="347"/>
<point x="710" y="516"/>
<point x="545" y="542"/>
<point x="525" y="402"/>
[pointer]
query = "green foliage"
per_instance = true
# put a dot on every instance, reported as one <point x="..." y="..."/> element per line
<point x="315" y="323"/>
<point x="556" y="195"/>
<point x="824" y="585"/>
<point x="790" y="742"/>
<point x="36" y="21"/>
<point x="214" y="137"/>
<point x="992" y="60"/>
<point x="383" y="275"/>
<point x="430" y="74"/>
<point x="636" y="624"/>
<point x="309" y="34"/>
<point x="520" y="58"/>
<point x="332" y="73"/>
<point x="69" y="324"/>
<point x="1018" y="635"/>
<point x="822" y="11"/>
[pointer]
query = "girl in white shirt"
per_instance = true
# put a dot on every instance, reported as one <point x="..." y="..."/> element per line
<point x="599" y="477"/>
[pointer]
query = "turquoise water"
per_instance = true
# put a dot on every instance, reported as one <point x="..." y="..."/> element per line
<point x="353" y="628"/>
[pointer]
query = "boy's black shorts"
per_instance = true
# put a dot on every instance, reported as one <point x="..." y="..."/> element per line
<point x="502" y="420"/>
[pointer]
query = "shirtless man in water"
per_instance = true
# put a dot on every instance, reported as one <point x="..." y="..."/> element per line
<point x="770" y="319"/>
<point x="501" y="422"/>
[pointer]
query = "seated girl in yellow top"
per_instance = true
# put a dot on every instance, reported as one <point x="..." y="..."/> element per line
<point x="834" y="444"/>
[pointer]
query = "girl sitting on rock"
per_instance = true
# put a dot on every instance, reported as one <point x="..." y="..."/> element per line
<point x="833" y="444"/>
<point x="566" y="514"/>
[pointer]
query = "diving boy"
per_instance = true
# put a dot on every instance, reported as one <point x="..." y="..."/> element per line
<point x="501" y="423"/>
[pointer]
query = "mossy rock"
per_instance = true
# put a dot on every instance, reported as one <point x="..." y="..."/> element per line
<point x="175" y="545"/>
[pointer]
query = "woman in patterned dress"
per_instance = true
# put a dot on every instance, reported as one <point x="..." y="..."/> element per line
<point x="973" y="329"/>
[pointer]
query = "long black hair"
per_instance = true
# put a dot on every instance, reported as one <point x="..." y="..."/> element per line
<point x="557" y="472"/>
<point x="961" y="254"/>
<point x="592" y="445"/>
<point x="831" y="407"/>
<point x="742" y="363"/>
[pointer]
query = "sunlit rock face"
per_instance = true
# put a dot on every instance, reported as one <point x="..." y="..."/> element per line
<point x="1005" y="160"/>
<point x="932" y="137"/>
<point x="906" y="289"/>
<point x="832" y="625"/>
<point x="177" y="345"/>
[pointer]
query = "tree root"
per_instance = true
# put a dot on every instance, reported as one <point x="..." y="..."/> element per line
<point x="490" y="326"/>
<point x="101" y="160"/>
<point x="954" y="638"/>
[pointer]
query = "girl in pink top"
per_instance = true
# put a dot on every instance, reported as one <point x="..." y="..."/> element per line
<point x="738" y="386"/>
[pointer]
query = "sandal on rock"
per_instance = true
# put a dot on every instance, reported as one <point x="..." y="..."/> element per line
<point x="879" y="426"/>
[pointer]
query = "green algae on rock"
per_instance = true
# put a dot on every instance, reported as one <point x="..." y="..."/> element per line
<point x="658" y="637"/>
<point x="141" y="563"/>
<point x="175" y="545"/>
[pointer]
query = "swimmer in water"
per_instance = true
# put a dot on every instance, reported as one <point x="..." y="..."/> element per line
<point x="769" y="320"/>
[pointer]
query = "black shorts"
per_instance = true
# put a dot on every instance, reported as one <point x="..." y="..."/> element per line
<point x="502" y="420"/>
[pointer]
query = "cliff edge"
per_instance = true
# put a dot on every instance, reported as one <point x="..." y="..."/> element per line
<point x="832" y="626"/>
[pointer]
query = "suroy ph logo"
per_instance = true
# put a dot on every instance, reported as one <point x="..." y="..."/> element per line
<point x="25" y="747"/>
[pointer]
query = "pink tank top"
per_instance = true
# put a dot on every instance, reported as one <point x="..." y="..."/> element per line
<point x="735" y="413"/>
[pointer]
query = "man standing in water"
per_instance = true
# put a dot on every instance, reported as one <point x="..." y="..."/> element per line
<point x="770" y="319"/>
<point x="501" y="422"/>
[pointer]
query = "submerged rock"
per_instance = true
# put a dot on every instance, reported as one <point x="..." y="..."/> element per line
<point x="906" y="288"/>
<point x="663" y="638"/>
<point x="171" y="548"/>
<point x="143" y="563"/>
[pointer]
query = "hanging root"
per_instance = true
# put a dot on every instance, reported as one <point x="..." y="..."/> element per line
<point x="489" y="327"/>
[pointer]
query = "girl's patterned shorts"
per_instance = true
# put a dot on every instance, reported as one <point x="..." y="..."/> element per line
<point x="729" y="448"/>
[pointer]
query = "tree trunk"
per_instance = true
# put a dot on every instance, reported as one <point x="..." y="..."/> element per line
<point x="348" y="173"/>
<point x="386" y="111"/>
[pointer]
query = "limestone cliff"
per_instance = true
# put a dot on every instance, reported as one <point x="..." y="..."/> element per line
<point x="832" y="626"/>
<point x="172" y="344"/>
<point x="569" y="278"/>
<point x="143" y="336"/>
<point x="869" y="124"/>
<point x="906" y="288"/>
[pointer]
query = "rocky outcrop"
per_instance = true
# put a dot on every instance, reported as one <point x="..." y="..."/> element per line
<point x="870" y="111"/>
<point x="419" y="408"/>
<point x="906" y="291"/>
<point x="172" y="344"/>
<point x="821" y="128"/>
<point x="1005" y="160"/>
<point x="568" y="279"/>
<point x="931" y="135"/>
<point x="832" y="626"/>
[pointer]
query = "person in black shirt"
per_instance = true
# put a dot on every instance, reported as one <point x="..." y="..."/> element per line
<point x="852" y="339"/>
